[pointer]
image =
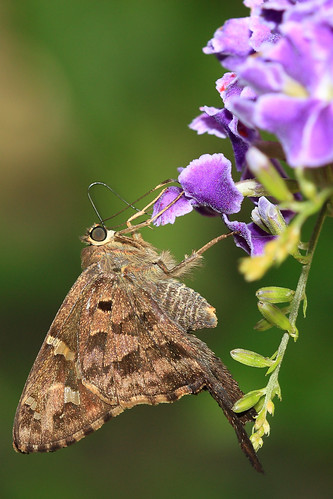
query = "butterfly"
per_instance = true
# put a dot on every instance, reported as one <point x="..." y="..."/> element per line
<point x="122" y="337"/>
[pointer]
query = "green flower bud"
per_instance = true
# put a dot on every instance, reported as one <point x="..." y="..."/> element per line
<point x="266" y="427"/>
<point x="274" y="365"/>
<point x="248" y="400"/>
<point x="275" y="294"/>
<point x="267" y="174"/>
<point x="251" y="188"/>
<point x="251" y="359"/>
<point x="275" y="316"/>
<point x="260" y="421"/>
<point x="306" y="182"/>
<point x="262" y="325"/>
<point x="256" y="441"/>
<point x="277" y="391"/>
<point x="270" y="407"/>
<point x="259" y="405"/>
<point x="288" y="243"/>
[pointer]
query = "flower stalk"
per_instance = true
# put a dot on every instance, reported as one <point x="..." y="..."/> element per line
<point x="273" y="387"/>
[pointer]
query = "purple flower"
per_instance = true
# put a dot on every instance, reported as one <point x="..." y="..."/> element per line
<point x="250" y="237"/>
<point x="222" y="123"/>
<point x="293" y="80"/>
<point x="181" y="207"/>
<point x="238" y="38"/>
<point x="267" y="223"/>
<point x="209" y="122"/>
<point x="229" y="87"/>
<point x="283" y="85"/>
<point x="208" y="187"/>
<point x="208" y="182"/>
<point x="230" y="42"/>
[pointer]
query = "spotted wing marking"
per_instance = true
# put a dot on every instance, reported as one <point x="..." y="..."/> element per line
<point x="60" y="347"/>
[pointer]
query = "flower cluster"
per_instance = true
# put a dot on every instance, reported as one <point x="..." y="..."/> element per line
<point x="279" y="86"/>
<point x="281" y="82"/>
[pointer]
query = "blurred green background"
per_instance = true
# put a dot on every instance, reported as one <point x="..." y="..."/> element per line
<point x="104" y="91"/>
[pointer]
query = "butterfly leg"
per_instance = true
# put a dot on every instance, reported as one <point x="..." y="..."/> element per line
<point x="144" y="210"/>
<point x="191" y="260"/>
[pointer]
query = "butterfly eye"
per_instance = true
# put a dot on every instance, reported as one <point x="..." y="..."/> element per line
<point x="98" y="233"/>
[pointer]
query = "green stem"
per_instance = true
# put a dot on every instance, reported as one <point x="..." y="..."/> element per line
<point x="301" y="285"/>
<point x="295" y="304"/>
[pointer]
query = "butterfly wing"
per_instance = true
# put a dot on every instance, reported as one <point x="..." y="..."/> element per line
<point x="110" y="347"/>
<point x="56" y="409"/>
<point x="130" y="351"/>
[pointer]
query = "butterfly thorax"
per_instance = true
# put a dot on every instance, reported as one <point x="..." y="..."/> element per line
<point x="124" y="256"/>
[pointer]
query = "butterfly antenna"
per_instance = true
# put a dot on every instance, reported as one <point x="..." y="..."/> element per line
<point x="162" y="184"/>
<point x="129" y="205"/>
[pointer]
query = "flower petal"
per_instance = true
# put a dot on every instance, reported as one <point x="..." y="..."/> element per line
<point x="181" y="207"/>
<point x="230" y="42"/>
<point x="208" y="182"/>
<point x="250" y="237"/>
<point x="205" y="123"/>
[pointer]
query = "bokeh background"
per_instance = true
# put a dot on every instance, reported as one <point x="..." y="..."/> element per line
<point x="104" y="91"/>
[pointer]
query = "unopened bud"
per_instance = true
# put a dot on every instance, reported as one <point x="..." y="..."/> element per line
<point x="248" y="400"/>
<point x="270" y="407"/>
<point x="268" y="217"/>
<point x="263" y="325"/>
<point x="259" y="405"/>
<point x="256" y="218"/>
<point x="259" y="422"/>
<point x="275" y="294"/>
<point x="256" y="441"/>
<point x="266" y="173"/>
<point x="266" y="427"/>
<point x="275" y="316"/>
<point x="288" y="243"/>
<point x="250" y="358"/>
<point x="277" y="391"/>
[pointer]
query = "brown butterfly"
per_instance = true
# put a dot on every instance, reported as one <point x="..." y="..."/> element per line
<point x="122" y="337"/>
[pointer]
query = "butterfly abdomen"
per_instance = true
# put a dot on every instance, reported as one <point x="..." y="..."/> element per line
<point x="185" y="305"/>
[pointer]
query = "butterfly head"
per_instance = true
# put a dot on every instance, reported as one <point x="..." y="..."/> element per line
<point x="98" y="235"/>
